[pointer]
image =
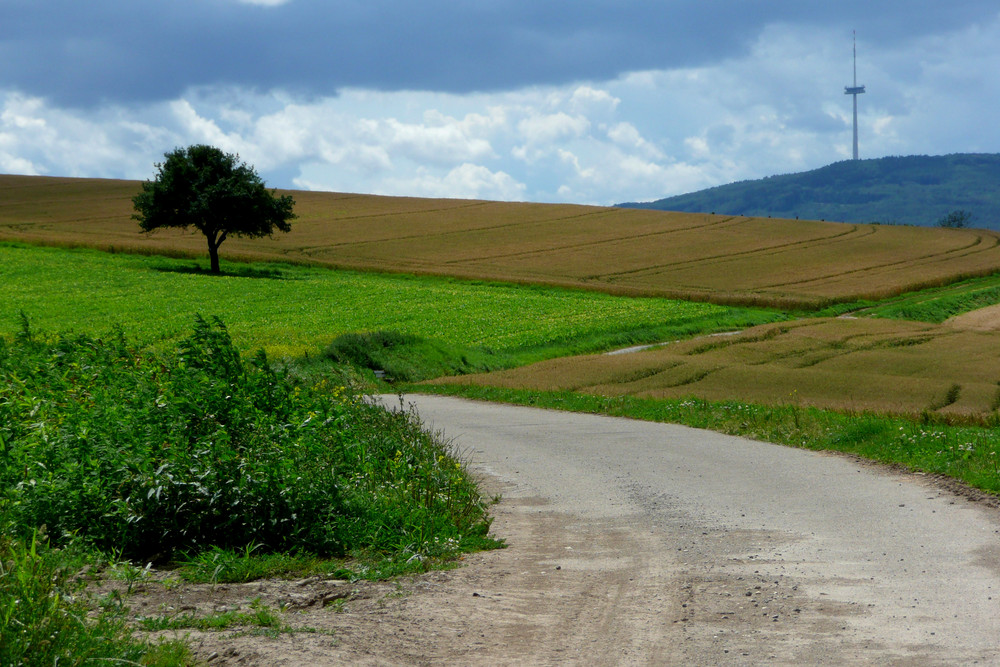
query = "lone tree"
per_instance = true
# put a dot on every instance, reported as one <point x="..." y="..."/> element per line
<point x="213" y="191"/>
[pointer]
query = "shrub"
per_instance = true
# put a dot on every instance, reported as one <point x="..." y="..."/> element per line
<point x="151" y="454"/>
<point x="956" y="220"/>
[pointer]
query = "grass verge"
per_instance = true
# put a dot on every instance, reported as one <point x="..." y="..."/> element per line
<point x="44" y="619"/>
<point x="968" y="454"/>
<point x="153" y="454"/>
<point x="938" y="304"/>
<point x="407" y="357"/>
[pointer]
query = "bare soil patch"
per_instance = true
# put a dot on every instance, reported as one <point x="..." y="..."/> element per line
<point x="566" y="591"/>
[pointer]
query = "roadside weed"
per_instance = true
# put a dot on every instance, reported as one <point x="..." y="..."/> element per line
<point x="44" y="619"/>
<point x="239" y="468"/>
<point x="154" y="454"/>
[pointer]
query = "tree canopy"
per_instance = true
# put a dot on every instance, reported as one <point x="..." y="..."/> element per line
<point x="202" y="187"/>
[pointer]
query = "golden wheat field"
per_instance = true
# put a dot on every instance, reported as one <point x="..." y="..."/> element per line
<point x="885" y="366"/>
<point x="725" y="259"/>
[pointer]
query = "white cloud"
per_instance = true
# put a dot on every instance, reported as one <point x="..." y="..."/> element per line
<point x="626" y="136"/>
<point x="573" y="160"/>
<point x="588" y="100"/>
<point x="363" y="158"/>
<point x="207" y="131"/>
<point x="439" y="139"/>
<point x="698" y="147"/>
<point x="37" y="139"/>
<point x="550" y="128"/>
<point x="466" y="181"/>
<point x="11" y="164"/>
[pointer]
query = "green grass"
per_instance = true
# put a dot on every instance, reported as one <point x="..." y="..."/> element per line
<point x="411" y="358"/>
<point x="291" y="310"/>
<point x="938" y="304"/>
<point x="152" y="453"/>
<point x="968" y="453"/>
<point x="221" y="566"/>
<point x="259" y="616"/>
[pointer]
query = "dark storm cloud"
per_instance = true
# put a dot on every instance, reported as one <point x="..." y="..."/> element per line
<point x="85" y="53"/>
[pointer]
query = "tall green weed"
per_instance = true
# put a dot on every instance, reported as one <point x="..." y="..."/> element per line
<point x="43" y="621"/>
<point x="153" y="453"/>
<point x="409" y="358"/>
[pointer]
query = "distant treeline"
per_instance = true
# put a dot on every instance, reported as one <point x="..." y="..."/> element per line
<point x="912" y="190"/>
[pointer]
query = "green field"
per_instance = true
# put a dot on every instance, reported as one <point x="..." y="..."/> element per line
<point x="290" y="310"/>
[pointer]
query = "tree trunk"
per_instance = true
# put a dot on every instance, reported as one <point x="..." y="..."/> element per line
<point x="213" y="256"/>
<point x="213" y="250"/>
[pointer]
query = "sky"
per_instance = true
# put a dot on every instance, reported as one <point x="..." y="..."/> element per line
<point x="581" y="101"/>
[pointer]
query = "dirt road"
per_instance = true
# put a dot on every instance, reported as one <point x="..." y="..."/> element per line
<point x="639" y="543"/>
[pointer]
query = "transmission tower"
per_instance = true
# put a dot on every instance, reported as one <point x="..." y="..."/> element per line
<point x="855" y="90"/>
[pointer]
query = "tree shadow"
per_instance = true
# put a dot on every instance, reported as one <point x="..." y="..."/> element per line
<point x="231" y="272"/>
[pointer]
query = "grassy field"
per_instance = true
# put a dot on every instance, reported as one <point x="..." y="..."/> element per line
<point x="293" y="309"/>
<point x="290" y="310"/>
<point x="938" y="305"/>
<point x="748" y="261"/>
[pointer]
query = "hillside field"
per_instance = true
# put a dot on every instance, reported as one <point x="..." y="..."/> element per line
<point x="913" y="355"/>
<point x="116" y="419"/>
<point x="852" y="365"/>
<point x="722" y="259"/>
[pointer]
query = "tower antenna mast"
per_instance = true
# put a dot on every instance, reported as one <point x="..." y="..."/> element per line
<point x="855" y="90"/>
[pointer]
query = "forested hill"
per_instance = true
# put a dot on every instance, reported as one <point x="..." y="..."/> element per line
<point x="912" y="190"/>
